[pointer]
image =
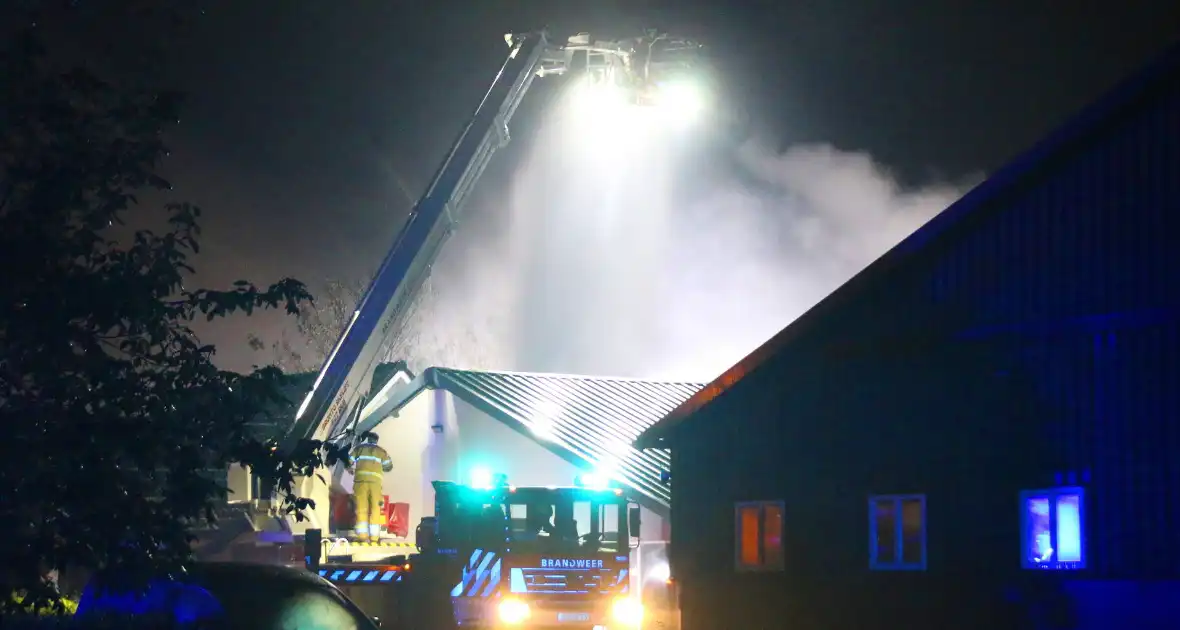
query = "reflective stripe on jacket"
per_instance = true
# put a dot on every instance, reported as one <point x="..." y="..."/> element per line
<point x="370" y="460"/>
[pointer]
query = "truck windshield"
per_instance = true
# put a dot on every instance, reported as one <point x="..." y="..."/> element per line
<point x="541" y="519"/>
<point x="567" y="520"/>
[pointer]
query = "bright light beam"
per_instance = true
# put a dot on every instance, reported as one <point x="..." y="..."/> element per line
<point x="599" y="99"/>
<point x="604" y="109"/>
<point x="603" y="114"/>
<point x="683" y="100"/>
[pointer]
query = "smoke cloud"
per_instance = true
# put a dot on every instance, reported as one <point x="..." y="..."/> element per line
<point x="640" y="250"/>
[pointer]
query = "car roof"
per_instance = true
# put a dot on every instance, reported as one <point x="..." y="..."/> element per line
<point x="216" y="579"/>
<point x="203" y="571"/>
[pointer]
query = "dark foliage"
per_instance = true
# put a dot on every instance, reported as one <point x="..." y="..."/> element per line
<point x="52" y="622"/>
<point x="118" y="427"/>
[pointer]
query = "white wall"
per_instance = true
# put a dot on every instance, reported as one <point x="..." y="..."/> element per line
<point x="652" y="525"/>
<point x="483" y="441"/>
<point x="240" y="483"/>
<point x="468" y="439"/>
<point x="407" y="437"/>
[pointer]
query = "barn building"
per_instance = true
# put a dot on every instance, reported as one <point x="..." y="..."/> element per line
<point x="453" y="425"/>
<point x="538" y="429"/>
<point x="980" y="430"/>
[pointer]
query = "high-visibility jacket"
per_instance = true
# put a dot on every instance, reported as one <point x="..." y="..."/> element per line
<point x="369" y="461"/>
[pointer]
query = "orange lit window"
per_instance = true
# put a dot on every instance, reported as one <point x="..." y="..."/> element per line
<point x="759" y="536"/>
<point x="748" y="554"/>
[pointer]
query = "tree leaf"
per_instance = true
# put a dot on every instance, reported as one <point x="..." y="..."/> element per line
<point x="118" y="426"/>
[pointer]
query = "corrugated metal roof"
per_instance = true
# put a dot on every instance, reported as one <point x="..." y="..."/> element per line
<point x="587" y="420"/>
<point x="1091" y="122"/>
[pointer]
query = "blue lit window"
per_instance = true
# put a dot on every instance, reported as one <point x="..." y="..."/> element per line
<point x="897" y="532"/>
<point x="1052" y="532"/>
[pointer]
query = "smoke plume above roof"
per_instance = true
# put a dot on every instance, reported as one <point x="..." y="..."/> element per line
<point x="642" y="251"/>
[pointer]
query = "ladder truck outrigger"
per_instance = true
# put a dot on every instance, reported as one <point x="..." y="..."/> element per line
<point x="477" y="562"/>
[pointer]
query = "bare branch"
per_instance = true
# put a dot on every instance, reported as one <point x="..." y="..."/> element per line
<point x="428" y="339"/>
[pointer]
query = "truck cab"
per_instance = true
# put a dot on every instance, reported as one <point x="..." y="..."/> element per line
<point x="496" y="555"/>
<point x="537" y="556"/>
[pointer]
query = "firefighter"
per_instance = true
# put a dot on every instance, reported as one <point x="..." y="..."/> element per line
<point x="539" y="519"/>
<point x="369" y="463"/>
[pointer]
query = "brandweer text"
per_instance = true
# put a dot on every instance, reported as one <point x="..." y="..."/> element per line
<point x="571" y="563"/>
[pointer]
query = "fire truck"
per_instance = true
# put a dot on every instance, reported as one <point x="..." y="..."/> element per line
<point x="504" y="556"/>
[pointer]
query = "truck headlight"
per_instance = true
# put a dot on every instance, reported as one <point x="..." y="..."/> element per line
<point x="627" y="612"/>
<point x="512" y="611"/>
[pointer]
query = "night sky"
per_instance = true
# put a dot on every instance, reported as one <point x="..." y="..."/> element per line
<point x="310" y="121"/>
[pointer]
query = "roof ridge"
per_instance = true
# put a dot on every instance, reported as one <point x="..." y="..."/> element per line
<point x="594" y="422"/>
<point x="589" y="377"/>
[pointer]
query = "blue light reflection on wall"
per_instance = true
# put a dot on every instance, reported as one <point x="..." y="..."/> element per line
<point x="1053" y="533"/>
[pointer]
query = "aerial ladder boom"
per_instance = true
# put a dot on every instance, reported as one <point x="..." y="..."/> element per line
<point x="343" y="381"/>
<point x="340" y="388"/>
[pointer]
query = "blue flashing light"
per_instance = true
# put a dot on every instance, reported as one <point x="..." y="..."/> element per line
<point x="591" y="481"/>
<point x="481" y="478"/>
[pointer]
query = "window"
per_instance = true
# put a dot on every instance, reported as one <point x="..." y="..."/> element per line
<point x="1053" y="529"/>
<point x="897" y="533"/>
<point x="591" y="518"/>
<point x="759" y="540"/>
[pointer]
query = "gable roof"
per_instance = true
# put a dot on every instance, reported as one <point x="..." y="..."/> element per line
<point x="982" y="201"/>
<point x="589" y="421"/>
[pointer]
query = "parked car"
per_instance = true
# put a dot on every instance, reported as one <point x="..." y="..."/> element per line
<point x="236" y="596"/>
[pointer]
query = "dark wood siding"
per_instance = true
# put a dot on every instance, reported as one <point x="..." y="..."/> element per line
<point x="1039" y="347"/>
<point x="1081" y="275"/>
<point x="823" y="440"/>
